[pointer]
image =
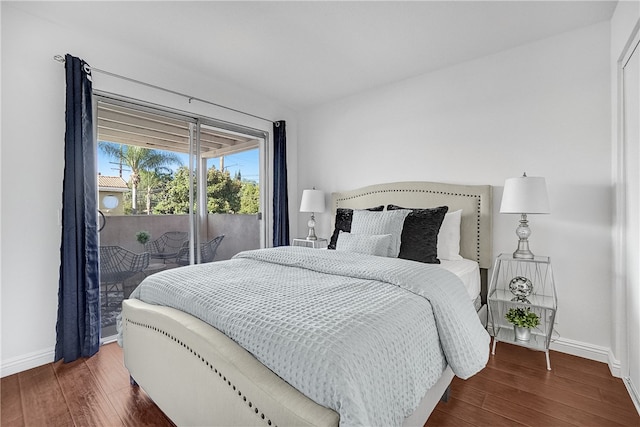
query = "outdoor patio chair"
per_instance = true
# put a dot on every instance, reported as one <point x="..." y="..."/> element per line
<point x="166" y="246"/>
<point x="118" y="264"/>
<point x="207" y="251"/>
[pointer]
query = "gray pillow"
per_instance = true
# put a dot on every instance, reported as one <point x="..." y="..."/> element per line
<point x="343" y="222"/>
<point x="387" y="222"/>
<point x="369" y="244"/>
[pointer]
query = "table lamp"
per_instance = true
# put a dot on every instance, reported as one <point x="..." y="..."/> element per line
<point x="524" y="195"/>
<point x="312" y="201"/>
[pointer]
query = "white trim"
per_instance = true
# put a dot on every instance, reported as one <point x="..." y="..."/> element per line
<point x="615" y="365"/>
<point x="635" y="395"/>
<point x="114" y="189"/>
<point x="622" y="314"/>
<point x="27" y="361"/>
<point x="37" y="358"/>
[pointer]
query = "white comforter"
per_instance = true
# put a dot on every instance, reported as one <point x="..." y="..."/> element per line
<point x="365" y="336"/>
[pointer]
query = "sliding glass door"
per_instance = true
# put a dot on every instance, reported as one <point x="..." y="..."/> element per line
<point x="173" y="190"/>
<point x="229" y="173"/>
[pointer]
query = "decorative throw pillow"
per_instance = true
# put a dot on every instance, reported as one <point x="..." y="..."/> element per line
<point x="343" y="223"/>
<point x="387" y="222"/>
<point x="449" y="236"/>
<point x="374" y="244"/>
<point x="420" y="234"/>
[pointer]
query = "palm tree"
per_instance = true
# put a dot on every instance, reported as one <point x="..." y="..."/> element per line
<point x="151" y="182"/>
<point x="138" y="159"/>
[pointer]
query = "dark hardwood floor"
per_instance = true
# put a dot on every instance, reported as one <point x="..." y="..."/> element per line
<point x="87" y="392"/>
<point x="514" y="389"/>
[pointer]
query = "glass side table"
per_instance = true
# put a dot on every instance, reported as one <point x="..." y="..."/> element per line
<point x="528" y="284"/>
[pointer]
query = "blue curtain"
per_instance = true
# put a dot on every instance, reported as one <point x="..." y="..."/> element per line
<point x="78" y="326"/>
<point x="280" y="194"/>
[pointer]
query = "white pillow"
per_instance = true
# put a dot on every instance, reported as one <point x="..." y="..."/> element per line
<point x="386" y="222"/>
<point x="369" y="244"/>
<point x="449" y="237"/>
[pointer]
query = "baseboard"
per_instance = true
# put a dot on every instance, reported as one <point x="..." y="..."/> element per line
<point x="615" y="366"/>
<point x="37" y="358"/>
<point x="25" y="362"/>
<point x="633" y="392"/>
<point x="588" y="351"/>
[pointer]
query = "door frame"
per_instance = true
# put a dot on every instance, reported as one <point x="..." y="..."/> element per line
<point x="264" y="137"/>
<point x="622" y="308"/>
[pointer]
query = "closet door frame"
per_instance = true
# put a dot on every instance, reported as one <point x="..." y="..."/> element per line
<point x="626" y="298"/>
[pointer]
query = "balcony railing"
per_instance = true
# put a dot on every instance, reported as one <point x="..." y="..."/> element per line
<point x="242" y="232"/>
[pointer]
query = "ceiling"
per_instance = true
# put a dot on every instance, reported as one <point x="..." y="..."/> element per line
<point x="304" y="54"/>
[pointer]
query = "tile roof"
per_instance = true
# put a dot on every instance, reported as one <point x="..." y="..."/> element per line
<point x="112" y="182"/>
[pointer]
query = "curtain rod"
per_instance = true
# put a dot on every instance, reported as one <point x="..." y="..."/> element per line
<point x="190" y="98"/>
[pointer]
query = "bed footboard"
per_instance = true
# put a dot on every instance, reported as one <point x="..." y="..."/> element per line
<point x="198" y="376"/>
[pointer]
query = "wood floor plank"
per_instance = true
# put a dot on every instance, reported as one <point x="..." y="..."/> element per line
<point x="11" y="414"/>
<point x="587" y="366"/>
<point x="577" y="375"/>
<point x="585" y="378"/>
<point x="520" y="355"/>
<point x="474" y="415"/>
<point x="137" y="409"/>
<point x="539" y="399"/>
<point x="577" y="365"/>
<point x="538" y="376"/>
<point x="512" y="408"/>
<point x="107" y="367"/>
<point x="459" y="388"/>
<point x="522" y="413"/>
<point x="619" y="398"/>
<point x="444" y="419"/>
<point x="87" y="403"/>
<point x="42" y="400"/>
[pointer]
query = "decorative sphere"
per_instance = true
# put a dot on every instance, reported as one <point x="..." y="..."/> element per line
<point x="520" y="286"/>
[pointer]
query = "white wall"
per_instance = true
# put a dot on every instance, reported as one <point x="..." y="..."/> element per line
<point x="33" y="94"/>
<point x="543" y="108"/>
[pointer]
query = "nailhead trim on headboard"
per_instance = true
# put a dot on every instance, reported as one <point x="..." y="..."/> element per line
<point x="446" y="193"/>
<point x="207" y="364"/>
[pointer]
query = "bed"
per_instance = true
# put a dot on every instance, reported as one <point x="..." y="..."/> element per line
<point x="199" y="376"/>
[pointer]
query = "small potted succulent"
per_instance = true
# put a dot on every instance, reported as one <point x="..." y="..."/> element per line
<point x="523" y="320"/>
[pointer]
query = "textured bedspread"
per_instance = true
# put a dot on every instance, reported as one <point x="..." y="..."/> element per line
<point x="365" y="336"/>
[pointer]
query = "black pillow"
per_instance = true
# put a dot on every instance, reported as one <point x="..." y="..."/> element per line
<point x="419" y="239"/>
<point x="343" y="222"/>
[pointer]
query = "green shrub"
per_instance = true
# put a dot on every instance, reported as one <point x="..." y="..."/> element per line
<point x="143" y="236"/>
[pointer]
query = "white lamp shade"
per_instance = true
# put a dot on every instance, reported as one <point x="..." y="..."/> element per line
<point x="525" y="194"/>
<point x="312" y="201"/>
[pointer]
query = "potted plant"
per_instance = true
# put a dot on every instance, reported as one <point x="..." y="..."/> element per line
<point x="143" y="237"/>
<point x="523" y="320"/>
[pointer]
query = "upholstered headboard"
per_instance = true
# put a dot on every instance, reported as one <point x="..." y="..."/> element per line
<point x="474" y="200"/>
